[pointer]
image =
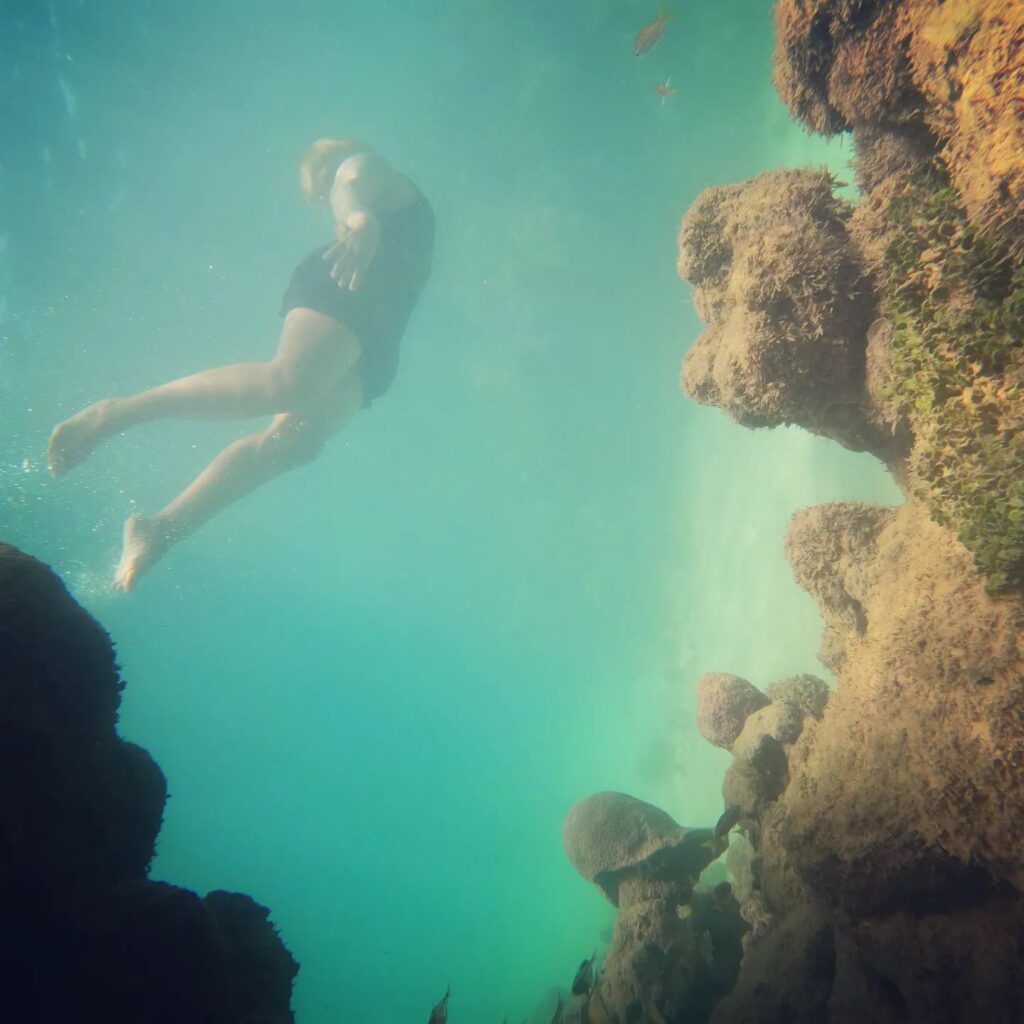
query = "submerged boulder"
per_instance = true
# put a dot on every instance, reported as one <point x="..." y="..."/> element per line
<point x="86" y="935"/>
<point x="787" y="303"/>
<point x="724" y="702"/>
<point x="674" y="951"/>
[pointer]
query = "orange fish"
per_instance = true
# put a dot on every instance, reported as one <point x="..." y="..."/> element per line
<point x="664" y="90"/>
<point x="648" y="36"/>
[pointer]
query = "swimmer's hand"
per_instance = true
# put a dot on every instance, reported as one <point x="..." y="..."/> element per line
<point x="351" y="255"/>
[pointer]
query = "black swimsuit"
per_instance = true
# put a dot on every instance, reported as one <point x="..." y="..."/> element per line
<point x="379" y="309"/>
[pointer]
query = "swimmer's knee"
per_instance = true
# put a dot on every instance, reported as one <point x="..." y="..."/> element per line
<point x="292" y="446"/>
<point x="289" y="389"/>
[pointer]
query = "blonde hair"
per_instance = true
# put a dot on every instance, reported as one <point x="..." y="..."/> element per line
<point x="319" y="165"/>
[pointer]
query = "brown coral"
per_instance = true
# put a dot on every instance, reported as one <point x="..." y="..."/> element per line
<point x="787" y="305"/>
<point x="968" y="60"/>
<point x="933" y="671"/>
<point x="844" y="62"/>
<point x="724" y="703"/>
<point x="884" y="882"/>
<point x="954" y="70"/>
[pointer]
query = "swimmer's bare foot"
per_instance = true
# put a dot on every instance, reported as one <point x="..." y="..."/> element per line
<point x="145" y="541"/>
<point x="73" y="440"/>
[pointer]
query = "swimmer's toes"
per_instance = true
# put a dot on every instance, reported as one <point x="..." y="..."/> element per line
<point x="59" y="453"/>
<point x="74" y="440"/>
<point x="145" y="540"/>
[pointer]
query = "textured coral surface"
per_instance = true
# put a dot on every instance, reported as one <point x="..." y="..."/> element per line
<point x="884" y="882"/>
<point x="787" y="305"/>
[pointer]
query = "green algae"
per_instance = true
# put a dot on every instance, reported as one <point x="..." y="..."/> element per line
<point x="956" y="300"/>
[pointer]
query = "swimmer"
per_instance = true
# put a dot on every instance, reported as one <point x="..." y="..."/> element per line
<point x="344" y="311"/>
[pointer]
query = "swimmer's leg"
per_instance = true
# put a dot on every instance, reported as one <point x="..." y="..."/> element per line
<point x="314" y="354"/>
<point x="292" y="440"/>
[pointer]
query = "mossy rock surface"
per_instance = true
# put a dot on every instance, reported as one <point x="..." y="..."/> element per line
<point x="956" y="299"/>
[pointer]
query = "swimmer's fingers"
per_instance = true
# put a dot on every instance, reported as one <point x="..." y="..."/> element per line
<point x="340" y="265"/>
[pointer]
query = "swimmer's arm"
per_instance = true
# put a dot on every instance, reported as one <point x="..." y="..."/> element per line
<point x="360" y="187"/>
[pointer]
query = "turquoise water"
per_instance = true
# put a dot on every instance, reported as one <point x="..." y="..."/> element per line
<point x="378" y="684"/>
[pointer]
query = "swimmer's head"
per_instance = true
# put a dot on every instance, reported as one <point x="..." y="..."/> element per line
<point x="320" y="163"/>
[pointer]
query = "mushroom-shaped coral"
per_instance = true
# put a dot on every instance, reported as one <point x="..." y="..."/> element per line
<point x="664" y="958"/>
<point x="724" y="702"/>
<point x="787" y="305"/>
<point x="615" y="840"/>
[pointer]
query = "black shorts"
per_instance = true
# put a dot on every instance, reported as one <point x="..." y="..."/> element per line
<point x="378" y="311"/>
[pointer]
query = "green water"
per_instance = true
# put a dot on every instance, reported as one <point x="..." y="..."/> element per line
<point x="378" y="684"/>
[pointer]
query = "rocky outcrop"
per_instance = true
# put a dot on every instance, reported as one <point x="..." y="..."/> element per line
<point x="954" y="70"/>
<point x="674" y="950"/>
<point x="893" y="326"/>
<point x="967" y="59"/>
<point x="87" y="936"/>
<point x="877" y="862"/>
<point x="868" y="876"/>
<point x="787" y="306"/>
<point x="724" y="703"/>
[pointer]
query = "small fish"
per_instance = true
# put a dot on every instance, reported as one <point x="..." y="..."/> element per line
<point x="728" y="820"/>
<point x="557" y="1018"/>
<point x="664" y="90"/>
<point x="647" y="38"/>
<point x="439" y="1014"/>
<point x="584" y="980"/>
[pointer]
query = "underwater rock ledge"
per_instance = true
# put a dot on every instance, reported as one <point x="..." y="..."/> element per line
<point x="877" y="864"/>
<point x="87" y="936"/>
<point x="894" y="325"/>
<point x="879" y="868"/>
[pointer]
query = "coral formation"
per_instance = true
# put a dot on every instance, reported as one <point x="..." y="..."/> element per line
<point x="875" y="850"/>
<point x="623" y="844"/>
<point x="955" y="70"/>
<point x="897" y="324"/>
<point x="877" y="866"/>
<point x="968" y="61"/>
<point x="724" y="702"/>
<point x="955" y="300"/>
<point x="788" y="305"/>
<point x="86" y="935"/>
<point x="674" y="951"/>
<point x="840" y="63"/>
<point x="808" y="693"/>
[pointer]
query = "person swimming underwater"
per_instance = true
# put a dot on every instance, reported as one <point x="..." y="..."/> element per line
<point x="345" y="311"/>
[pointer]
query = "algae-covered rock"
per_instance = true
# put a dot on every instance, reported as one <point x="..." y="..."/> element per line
<point x="806" y="692"/>
<point x="954" y="297"/>
<point x="613" y="839"/>
<point x="968" y="61"/>
<point x="840" y="63"/>
<point x="826" y="546"/>
<point x="882" y="800"/>
<point x="673" y="951"/>
<point x="787" y="305"/>
<point x="724" y="702"/>
<point x="86" y="937"/>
